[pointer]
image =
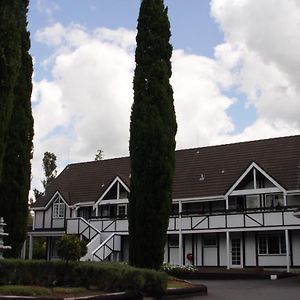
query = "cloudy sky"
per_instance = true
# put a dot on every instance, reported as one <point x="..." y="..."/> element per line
<point x="235" y="73"/>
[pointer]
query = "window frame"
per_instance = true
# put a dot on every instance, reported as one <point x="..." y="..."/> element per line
<point x="58" y="208"/>
<point x="266" y="240"/>
<point x="210" y="241"/>
<point x="122" y="206"/>
<point x="173" y="241"/>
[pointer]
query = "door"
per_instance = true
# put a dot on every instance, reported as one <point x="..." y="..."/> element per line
<point x="236" y="252"/>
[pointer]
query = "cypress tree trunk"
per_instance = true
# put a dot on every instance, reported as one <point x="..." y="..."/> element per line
<point x="10" y="56"/>
<point x="152" y="138"/>
<point x="15" y="183"/>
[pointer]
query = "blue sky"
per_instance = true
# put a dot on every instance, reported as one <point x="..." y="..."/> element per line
<point x="234" y="73"/>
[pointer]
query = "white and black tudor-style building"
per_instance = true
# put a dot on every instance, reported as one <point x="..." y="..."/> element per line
<point x="234" y="205"/>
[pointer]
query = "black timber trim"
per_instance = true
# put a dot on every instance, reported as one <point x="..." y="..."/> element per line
<point x="51" y="223"/>
<point x="202" y="256"/>
<point x="244" y="249"/>
<point x="256" y="249"/>
<point x="43" y="219"/>
<point x="291" y="248"/>
<point x="206" y="217"/>
<point x="218" y="249"/>
<point x="193" y="249"/>
<point x="246" y="215"/>
<point x="183" y="249"/>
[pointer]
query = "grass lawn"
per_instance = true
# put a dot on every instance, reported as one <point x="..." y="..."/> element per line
<point x="27" y="290"/>
<point x="179" y="284"/>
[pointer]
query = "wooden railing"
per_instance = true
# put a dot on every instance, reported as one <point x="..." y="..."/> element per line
<point x="110" y="245"/>
<point x="81" y="227"/>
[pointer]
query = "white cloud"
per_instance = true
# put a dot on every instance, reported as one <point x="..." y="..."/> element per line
<point x="48" y="8"/>
<point x="261" y="50"/>
<point x="86" y="105"/>
<point x="200" y="105"/>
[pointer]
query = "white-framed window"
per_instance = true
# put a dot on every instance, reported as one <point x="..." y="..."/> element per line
<point x="122" y="210"/>
<point x="58" y="208"/>
<point x="271" y="245"/>
<point x="210" y="241"/>
<point x="173" y="241"/>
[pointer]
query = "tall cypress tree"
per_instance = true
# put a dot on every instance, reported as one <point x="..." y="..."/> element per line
<point x="10" y="55"/>
<point x="152" y="138"/>
<point x="15" y="183"/>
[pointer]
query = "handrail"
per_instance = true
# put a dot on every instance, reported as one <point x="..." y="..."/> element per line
<point x="104" y="245"/>
<point x="86" y="222"/>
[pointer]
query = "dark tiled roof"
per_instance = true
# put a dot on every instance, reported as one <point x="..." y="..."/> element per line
<point x="220" y="165"/>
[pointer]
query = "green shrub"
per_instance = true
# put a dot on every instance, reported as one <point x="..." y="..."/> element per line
<point x="71" y="248"/>
<point x="17" y="290"/>
<point x="105" y="276"/>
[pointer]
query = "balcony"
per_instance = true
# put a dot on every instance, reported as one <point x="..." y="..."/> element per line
<point x="252" y="218"/>
<point x="218" y="220"/>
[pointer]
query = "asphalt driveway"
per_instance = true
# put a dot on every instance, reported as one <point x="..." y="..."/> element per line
<point x="281" y="289"/>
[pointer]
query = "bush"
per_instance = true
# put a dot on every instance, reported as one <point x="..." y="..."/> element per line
<point x="71" y="248"/>
<point x="111" y="277"/>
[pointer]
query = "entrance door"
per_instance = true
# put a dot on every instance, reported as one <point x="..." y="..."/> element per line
<point x="236" y="257"/>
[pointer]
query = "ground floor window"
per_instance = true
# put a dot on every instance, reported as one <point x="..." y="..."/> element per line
<point x="173" y="241"/>
<point x="273" y="244"/>
<point x="209" y="241"/>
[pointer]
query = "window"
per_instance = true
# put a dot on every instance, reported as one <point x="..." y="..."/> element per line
<point x="252" y="201"/>
<point x="210" y="241"/>
<point x="274" y="201"/>
<point x="271" y="245"/>
<point x="58" y="208"/>
<point x="173" y="241"/>
<point x="122" y="210"/>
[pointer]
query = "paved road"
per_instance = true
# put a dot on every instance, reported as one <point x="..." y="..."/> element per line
<point x="281" y="289"/>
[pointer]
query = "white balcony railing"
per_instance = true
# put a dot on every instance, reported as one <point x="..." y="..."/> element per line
<point x="220" y="220"/>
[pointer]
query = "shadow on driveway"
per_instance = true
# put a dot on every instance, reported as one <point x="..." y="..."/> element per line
<point x="281" y="289"/>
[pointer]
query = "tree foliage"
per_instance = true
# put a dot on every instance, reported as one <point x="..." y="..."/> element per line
<point x="49" y="166"/>
<point x="71" y="248"/>
<point x="152" y="138"/>
<point x="99" y="155"/>
<point x="15" y="184"/>
<point x="11" y="22"/>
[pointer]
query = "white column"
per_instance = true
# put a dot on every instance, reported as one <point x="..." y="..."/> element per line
<point x="33" y="221"/>
<point x="228" y="249"/>
<point x="180" y="235"/>
<point x="23" y="250"/>
<point x="287" y="246"/>
<point x="227" y="203"/>
<point x="284" y="198"/>
<point x="30" y="247"/>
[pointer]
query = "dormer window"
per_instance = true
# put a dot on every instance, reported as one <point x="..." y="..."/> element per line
<point x="58" y="208"/>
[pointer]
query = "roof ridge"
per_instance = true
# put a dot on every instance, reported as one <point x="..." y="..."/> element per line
<point x="189" y="149"/>
<point x="241" y="142"/>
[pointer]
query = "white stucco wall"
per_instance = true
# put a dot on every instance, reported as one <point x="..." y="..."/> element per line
<point x="250" y="250"/>
<point x="295" y="235"/>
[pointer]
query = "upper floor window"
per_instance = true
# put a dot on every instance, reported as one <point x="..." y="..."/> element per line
<point x="58" y="208"/>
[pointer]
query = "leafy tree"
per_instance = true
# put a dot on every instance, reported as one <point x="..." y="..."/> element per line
<point x="71" y="248"/>
<point x="152" y="138"/>
<point x="11" y="21"/>
<point x="99" y="155"/>
<point x="15" y="185"/>
<point x="49" y="166"/>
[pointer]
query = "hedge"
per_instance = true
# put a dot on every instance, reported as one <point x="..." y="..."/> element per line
<point x="104" y="276"/>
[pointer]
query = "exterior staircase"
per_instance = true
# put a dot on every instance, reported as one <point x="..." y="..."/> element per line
<point x="100" y="245"/>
